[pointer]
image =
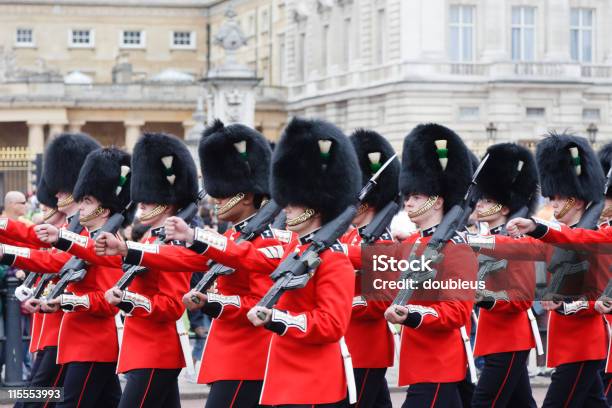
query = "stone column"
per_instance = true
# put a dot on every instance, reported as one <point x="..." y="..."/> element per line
<point x="55" y="129"/>
<point x="75" y="127"/>
<point x="556" y="18"/>
<point x="36" y="137"/>
<point x="132" y="132"/>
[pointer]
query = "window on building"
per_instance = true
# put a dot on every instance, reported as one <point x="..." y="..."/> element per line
<point x="469" y="113"/>
<point x="183" y="39"/>
<point x="301" y="57"/>
<point x="346" y="41"/>
<point x="24" y="37"/>
<point x="581" y="34"/>
<point x="535" y="113"/>
<point x="523" y="33"/>
<point x="379" y="37"/>
<point x="461" y="33"/>
<point x="591" y="114"/>
<point x="81" y="38"/>
<point x="324" y="48"/>
<point x="132" y="38"/>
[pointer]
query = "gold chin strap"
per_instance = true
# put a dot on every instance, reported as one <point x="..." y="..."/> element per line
<point x="569" y="203"/>
<point x="424" y="208"/>
<point x="154" y="212"/>
<point x="65" y="202"/>
<point x="493" y="210"/>
<point x="301" y="218"/>
<point x="362" y="208"/>
<point x="230" y="204"/>
<point x="606" y="213"/>
<point x="49" y="213"/>
<point x="92" y="215"/>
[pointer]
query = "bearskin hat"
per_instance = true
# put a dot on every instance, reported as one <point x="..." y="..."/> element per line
<point x="373" y="151"/>
<point x="106" y="176"/>
<point x="605" y="158"/>
<point x="315" y="165"/>
<point x="569" y="167"/>
<point x="234" y="159"/>
<point x="163" y="171"/>
<point x="63" y="159"/>
<point x="44" y="195"/>
<point x="435" y="161"/>
<point x="510" y="177"/>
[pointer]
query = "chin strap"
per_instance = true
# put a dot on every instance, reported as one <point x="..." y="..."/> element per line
<point x="425" y="207"/>
<point x="491" y="211"/>
<point x="49" y="213"/>
<point x="92" y="215"/>
<point x="306" y="215"/>
<point x="154" y="212"/>
<point x="65" y="202"/>
<point x="568" y="205"/>
<point x="230" y="204"/>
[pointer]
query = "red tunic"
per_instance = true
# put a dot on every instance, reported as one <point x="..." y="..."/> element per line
<point x="150" y="338"/>
<point x="232" y="339"/>
<point x="564" y="346"/>
<point x="367" y="316"/>
<point x="434" y="352"/>
<point x="506" y="327"/>
<point x="88" y="333"/>
<point x="305" y="364"/>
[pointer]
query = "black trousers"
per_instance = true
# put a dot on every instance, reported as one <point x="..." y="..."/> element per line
<point x="372" y="388"/>
<point x="234" y="394"/>
<point x="433" y="395"/>
<point x="151" y="388"/>
<point x="607" y="382"/>
<point x="45" y="373"/>
<point x="339" y="404"/>
<point x="576" y="385"/>
<point x="504" y="382"/>
<point x="90" y="384"/>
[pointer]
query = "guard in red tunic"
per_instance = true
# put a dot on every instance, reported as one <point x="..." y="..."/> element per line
<point x="571" y="176"/>
<point x="163" y="180"/>
<point x="88" y="342"/>
<point x="435" y="349"/>
<point x="315" y="176"/>
<point x="506" y="330"/>
<point x="59" y="176"/>
<point x="371" y="358"/>
<point x="235" y="164"/>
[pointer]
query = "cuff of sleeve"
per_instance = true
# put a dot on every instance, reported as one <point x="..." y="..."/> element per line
<point x="215" y="304"/>
<point x="70" y="302"/>
<point x="198" y="247"/>
<point x="63" y="244"/>
<point x="203" y="239"/>
<point x="539" y="231"/>
<point x="8" y="259"/>
<point x="281" y="321"/>
<point x="487" y="303"/>
<point x="133" y="257"/>
<point x="131" y="302"/>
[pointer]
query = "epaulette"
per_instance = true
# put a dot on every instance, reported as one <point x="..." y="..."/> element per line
<point x="338" y="247"/>
<point x="280" y="235"/>
<point x="458" y="239"/>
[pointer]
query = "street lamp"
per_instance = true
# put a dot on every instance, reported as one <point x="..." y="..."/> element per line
<point x="592" y="132"/>
<point x="491" y="131"/>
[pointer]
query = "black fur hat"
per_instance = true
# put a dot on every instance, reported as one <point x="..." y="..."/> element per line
<point x="423" y="161"/>
<point x="569" y="168"/>
<point x="605" y="158"/>
<point x="373" y="151"/>
<point x="106" y="176"/>
<point x="234" y="159"/>
<point x="163" y="171"/>
<point x="63" y="159"/>
<point x="510" y="177"/>
<point x="315" y="165"/>
<point x="44" y="195"/>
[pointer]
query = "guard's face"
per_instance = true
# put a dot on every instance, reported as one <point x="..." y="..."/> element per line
<point x="70" y="208"/>
<point x="487" y="211"/>
<point x="87" y="206"/>
<point x="303" y="228"/>
<point x="233" y="214"/>
<point x="564" y="215"/>
<point x="56" y="219"/>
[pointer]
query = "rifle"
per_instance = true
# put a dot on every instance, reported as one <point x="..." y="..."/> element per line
<point x="295" y="271"/>
<point x="75" y="269"/>
<point x="253" y="229"/>
<point x="280" y="222"/>
<point x="488" y="265"/>
<point x="455" y="219"/>
<point x="565" y="262"/>
<point x="74" y="226"/>
<point x="379" y="224"/>
<point x="130" y="272"/>
<point x="606" y="296"/>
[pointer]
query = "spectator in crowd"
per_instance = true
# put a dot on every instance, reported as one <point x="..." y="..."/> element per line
<point x="15" y="206"/>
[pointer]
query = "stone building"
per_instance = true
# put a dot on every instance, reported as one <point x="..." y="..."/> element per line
<point x="494" y="70"/>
